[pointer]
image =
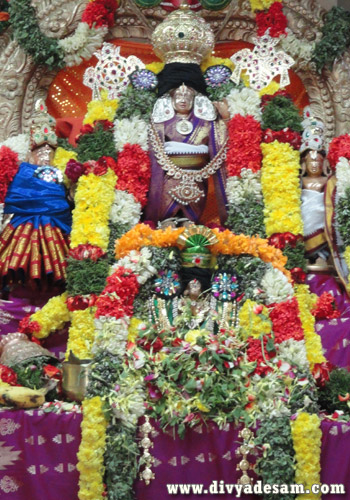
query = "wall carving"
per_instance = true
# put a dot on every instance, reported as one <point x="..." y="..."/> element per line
<point x="22" y="82"/>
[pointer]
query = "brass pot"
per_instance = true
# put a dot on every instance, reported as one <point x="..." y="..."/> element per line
<point x="75" y="377"/>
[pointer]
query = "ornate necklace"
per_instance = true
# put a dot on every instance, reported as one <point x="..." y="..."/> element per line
<point x="184" y="126"/>
<point x="187" y="191"/>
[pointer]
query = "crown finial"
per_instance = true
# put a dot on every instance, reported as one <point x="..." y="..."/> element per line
<point x="183" y="36"/>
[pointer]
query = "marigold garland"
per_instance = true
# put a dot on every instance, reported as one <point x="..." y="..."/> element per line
<point x="91" y="450"/>
<point x="252" y="321"/>
<point x="228" y="244"/>
<point x="261" y="4"/>
<point x="93" y="199"/>
<point x="81" y="333"/>
<point x="213" y="61"/>
<point x="101" y="110"/>
<point x="244" y="140"/>
<point x="313" y="343"/>
<point x="282" y="205"/>
<point x="306" y="434"/>
<point x="61" y="158"/>
<point x="51" y="317"/>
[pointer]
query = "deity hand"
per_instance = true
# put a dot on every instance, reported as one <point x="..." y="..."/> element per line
<point x="222" y="109"/>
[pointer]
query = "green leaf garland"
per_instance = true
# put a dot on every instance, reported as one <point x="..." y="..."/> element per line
<point x="42" y="49"/>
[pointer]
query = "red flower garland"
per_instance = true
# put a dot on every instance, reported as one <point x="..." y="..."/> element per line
<point x="286" y="135"/>
<point x="8" y="169"/>
<point x="244" y="151"/>
<point x="86" y="251"/>
<point x="325" y="307"/>
<point x="340" y="146"/>
<point x="100" y="13"/>
<point x="117" y="298"/>
<point x="286" y="321"/>
<point x="254" y="353"/>
<point x="280" y="240"/>
<point x="27" y="326"/>
<point x="134" y="172"/>
<point x="273" y="19"/>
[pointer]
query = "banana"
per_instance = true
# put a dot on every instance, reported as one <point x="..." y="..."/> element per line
<point x="21" y="397"/>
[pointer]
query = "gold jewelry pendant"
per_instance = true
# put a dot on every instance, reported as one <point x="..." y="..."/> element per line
<point x="184" y="127"/>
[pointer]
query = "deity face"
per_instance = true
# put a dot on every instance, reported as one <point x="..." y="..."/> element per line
<point x="182" y="99"/>
<point x="193" y="289"/>
<point x="313" y="163"/>
<point x="43" y="155"/>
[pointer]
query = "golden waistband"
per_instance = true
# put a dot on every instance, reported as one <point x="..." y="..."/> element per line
<point x="190" y="161"/>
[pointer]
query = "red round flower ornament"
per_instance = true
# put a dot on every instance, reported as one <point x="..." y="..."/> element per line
<point x="8" y="375"/>
<point x="339" y="147"/>
<point x="273" y="19"/>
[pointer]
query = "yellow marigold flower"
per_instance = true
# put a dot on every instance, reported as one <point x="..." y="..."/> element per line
<point x="261" y="4"/>
<point x="81" y="333"/>
<point x="253" y="320"/>
<point x="93" y="200"/>
<point x="90" y="455"/>
<point x="61" y="158"/>
<point x="134" y="328"/>
<point x="213" y="61"/>
<point x="271" y="89"/>
<point x="192" y="335"/>
<point x="306" y="435"/>
<point x="201" y="406"/>
<point x="280" y="168"/>
<point x="52" y="316"/>
<point x="101" y="110"/>
<point x="313" y="342"/>
<point x="155" y="66"/>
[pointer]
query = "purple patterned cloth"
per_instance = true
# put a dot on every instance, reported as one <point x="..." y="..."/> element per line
<point x="38" y="458"/>
<point x="335" y="333"/>
<point x="38" y="455"/>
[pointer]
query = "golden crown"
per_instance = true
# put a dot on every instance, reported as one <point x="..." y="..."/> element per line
<point x="42" y="130"/>
<point x="183" y="36"/>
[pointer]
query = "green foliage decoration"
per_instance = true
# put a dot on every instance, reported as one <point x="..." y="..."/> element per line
<point x="295" y="255"/>
<point x="337" y="385"/>
<point x="96" y="144"/>
<point x="136" y="103"/>
<point x="335" y="38"/>
<point x="86" y="276"/>
<point x="26" y="32"/>
<point x="280" y="113"/>
<point x="247" y="218"/>
<point x="277" y="464"/>
<point x="343" y="217"/>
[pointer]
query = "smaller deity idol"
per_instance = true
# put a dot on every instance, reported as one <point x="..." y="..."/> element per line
<point x="314" y="179"/>
<point x="196" y="298"/>
<point x="188" y="132"/>
<point x="34" y="243"/>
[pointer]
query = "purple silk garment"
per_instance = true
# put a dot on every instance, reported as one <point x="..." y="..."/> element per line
<point x="334" y="333"/>
<point x="38" y="455"/>
<point x="160" y="204"/>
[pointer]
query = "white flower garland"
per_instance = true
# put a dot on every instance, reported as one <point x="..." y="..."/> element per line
<point x="238" y="188"/>
<point x="140" y="263"/>
<point x="131" y="131"/>
<point x="82" y="44"/>
<point x="293" y="352"/>
<point x="244" y="102"/>
<point x="125" y="209"/>
<point x="19" y="144"/>
<point x="111" y="334"/>
<point x="276" y="285"/>
<point x="343" y="176"/>
<point x="299" y="50"/>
